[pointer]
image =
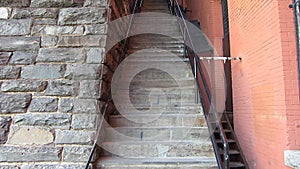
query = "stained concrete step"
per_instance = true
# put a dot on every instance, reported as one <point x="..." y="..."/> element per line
<point x="155" y="20"/>
<point x="163" y="120"/>
<point x="154" y="39"/>
<point x="159" y="46"/>
<point x="187" y="83"/>
<point x="157" y="134"/>
<point x="156" y="163"/>
<point x="144" y="149"/>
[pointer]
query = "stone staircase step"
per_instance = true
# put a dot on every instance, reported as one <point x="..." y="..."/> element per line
<point x="154" y="39"/>
<point x="154" y="163"/>
<point x="163" y="20"/>
<point x="157" y="133"/>
<point x="163" y="120"/>
<point x="145" y="109"/>
<point x="159" y="149"/>
<point x="153" y="132"/>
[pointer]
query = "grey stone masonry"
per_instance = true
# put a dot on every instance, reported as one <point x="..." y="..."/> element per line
<point x="43" y="105"/>
<point x="55" y="119"/>
<point x="19" y="43"/>
<point x="79" y="105"/>
<point x="60" y="88"/>
<point x="50" y="50"/>
<point x="23" y="58"/>
<point x="14" y="103"/>
<point x="52" y="166"/>
<point x="55" y="3"/>
<point x="76" y="153"/>
<point x="26" y="154"/>
<point x="9" y="72"/>
<point x="67" y="55"/>
<point x="23" y="86"/>
<point x="83" y="72"/>
<point x="74" y="137"/>
<point x="43" y="72"/>
<point x="79" y="16"/>
<point x="4" y="57"/>
<point x="15" y="27"/>
<point x="4" y="128"/>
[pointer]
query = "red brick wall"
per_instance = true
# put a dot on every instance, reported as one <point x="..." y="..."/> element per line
<point x="265" y="83"/>
<point x="209" y="13"/>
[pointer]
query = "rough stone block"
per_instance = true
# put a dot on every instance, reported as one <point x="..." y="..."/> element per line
<point x="26" y="154"/>
<point x="84" y="121"/>
<point x="9" y="72"/>
<point x="19" y="13"/>
<point x="55" y="3"/>
<point x="95" y="55"/>
<point x="79" y="105"/>
<point x="5" y="123"/>
<point x="23" y="58"/>
<point x="23" y="86"/>
<point x="49" y="41"/>
<point x="9" y="166"/>
<point x="43" y="105"/>
<point x="96" y="3"/>
<point x="4" y="57"/>
<point x="14" y="103"/>
<point x="15" y="3"/>
<point x="15" y="27"/>
<point x="28" y="135"/>
<point x="63" y="30"/>
<point x="95" y="29"/>
<point x="44" y="12"/>
<point x="57" y="120"/>
<point x="4" y="13"/>
<point x="68" y="55"/>
<point x="80" y="16"/>
<point x="78" y="154"/>
<point x="43" y="72"/>
<point x="82" y="41"/>
<point x="74" y="137"/>
<point x="51" y="166"/>
<point x="19" y="43"/>
<point x="60" y="88"/>
<point x="44" y="21"/>
<point x="83" y="72"/>
<point x="89" y="89"/>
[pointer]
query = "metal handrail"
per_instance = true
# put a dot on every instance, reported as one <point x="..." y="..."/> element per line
<point x="176" y="10"/>
<point x="135" y="8"/>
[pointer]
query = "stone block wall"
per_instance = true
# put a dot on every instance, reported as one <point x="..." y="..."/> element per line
<point x="51" y="54"/>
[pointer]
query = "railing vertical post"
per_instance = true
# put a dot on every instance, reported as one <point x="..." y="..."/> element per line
<point x="226" y="156"/>
<point x="196" y="78"/>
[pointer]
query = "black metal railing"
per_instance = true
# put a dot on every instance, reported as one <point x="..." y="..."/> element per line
<point x="201" y="79"/>
<point x="135" y="9"/>
<point x="296" y="7"/>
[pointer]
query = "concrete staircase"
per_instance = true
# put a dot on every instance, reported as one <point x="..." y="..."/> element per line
<point x="164" y="128"/>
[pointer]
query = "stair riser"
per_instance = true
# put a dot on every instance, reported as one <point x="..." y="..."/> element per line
<point x="159" y="150"/>
<point x="161" y="166"/>
<point x="161" y="121"/>
<point x="151" y="134"/>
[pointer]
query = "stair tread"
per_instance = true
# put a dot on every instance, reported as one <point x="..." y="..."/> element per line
<point x="176" y="160"/>
<point x="236" y="164"/>
<point x="166" y="142"/>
